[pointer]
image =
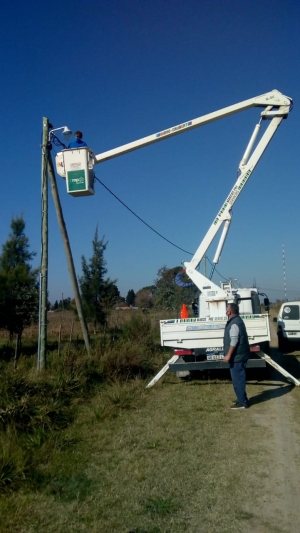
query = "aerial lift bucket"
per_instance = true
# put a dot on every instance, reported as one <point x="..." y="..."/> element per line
<point x="76" y="165"/>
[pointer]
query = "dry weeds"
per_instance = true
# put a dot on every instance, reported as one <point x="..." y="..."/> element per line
<point x="170" y="459"/>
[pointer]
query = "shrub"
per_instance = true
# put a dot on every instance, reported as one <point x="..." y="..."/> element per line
<point x="13" y="464"/>
<point x="138" y="330"/>
<point x="127" y="360"/>
<point x="35" y="408"/>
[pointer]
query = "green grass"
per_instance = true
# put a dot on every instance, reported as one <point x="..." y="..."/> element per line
<point x="84" y="447"/>
<point x="170" y="459"/>
<point x="36" y="407"/>
<point x="160" y="506"/>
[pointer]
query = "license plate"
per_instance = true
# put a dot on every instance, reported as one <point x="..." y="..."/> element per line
<point x="214" y="356"/>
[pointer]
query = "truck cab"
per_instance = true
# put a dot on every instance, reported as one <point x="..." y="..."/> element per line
<point x="247" y="300"/>
<point x="288" y="325"/>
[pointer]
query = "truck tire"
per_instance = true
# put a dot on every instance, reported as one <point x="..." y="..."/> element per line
<point x="265" y="347"/>
<point x="283" y="343"/>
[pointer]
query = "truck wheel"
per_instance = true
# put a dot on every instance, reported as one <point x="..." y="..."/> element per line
<point x="265" y="347"/>
<point x="282" y="343"/>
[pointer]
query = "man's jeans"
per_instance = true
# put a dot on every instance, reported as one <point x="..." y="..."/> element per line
<point x="238" y="376"/>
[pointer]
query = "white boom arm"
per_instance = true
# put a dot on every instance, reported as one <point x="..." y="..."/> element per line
<point x="224" y="214"/>
<point x="277" y="107"/>
<point x="273" y="98"/>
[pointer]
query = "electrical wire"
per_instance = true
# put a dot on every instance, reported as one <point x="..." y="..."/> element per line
<point x="215" y="270"/>
<point x="55" y="140"/>
<point x="143" y="221"/>
<point x="212" y="271"/>
<point x="152" y="229"/>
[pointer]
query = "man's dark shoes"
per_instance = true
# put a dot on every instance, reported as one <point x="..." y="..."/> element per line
<point x="238" y="405"/>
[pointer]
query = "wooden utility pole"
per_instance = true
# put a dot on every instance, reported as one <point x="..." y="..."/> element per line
<point x="67" y="247"/>
<point x="42" y="343"/>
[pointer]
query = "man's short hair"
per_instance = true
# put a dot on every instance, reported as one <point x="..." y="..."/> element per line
<point x="78" y="134"/>
<point x="234" y="308"/>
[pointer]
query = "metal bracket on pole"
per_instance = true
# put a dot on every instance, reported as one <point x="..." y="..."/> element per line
<point x="279" y="368"/>
<point x="162" y="371"/>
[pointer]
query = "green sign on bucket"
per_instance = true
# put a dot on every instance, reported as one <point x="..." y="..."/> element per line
<point x="76" y="180"/>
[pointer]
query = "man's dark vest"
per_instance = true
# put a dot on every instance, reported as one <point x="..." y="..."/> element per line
<point x="242" y="349"/>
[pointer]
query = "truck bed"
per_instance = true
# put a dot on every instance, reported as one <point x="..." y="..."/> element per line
<point x="205" y="334"/>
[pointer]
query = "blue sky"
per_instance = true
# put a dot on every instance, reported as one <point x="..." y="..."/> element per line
<point x="120" y="70"/>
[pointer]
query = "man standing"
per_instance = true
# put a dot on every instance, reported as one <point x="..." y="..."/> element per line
<point x="237" y="352"/>
<point x="78" y="142"/>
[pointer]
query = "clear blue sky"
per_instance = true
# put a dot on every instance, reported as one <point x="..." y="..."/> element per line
<point x="120" y="70"/>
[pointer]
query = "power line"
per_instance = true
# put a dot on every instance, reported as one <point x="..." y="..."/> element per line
<point x="143" y="221"/>
<point x="57" y="142"/>
<point x="152" y="229"/>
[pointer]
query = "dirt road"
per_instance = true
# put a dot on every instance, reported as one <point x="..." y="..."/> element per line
<point x="279" y="417"/>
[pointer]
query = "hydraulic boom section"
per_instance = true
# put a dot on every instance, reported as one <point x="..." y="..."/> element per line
<point x="276" y="107"/>
<point x="223" y="217"/>
<point x="268" y="100"/>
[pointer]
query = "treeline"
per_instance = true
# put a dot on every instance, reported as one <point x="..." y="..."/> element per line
<point x="19" y="292"/>
<point x="19" y="286"/>
<point x="65" y="303"/>
<point x="100" y="294"/>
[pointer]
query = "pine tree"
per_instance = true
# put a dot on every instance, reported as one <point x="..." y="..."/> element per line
<point x="18" y="282"/>
<point x="130" y="298"/>
<point x="97" y="292"/>
<point x="15" y="252"/>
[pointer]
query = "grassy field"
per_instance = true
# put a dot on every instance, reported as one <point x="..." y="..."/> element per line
<point x="169" y="459"/>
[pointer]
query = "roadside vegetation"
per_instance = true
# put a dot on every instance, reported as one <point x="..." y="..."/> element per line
<point x="34" y="408"/>
<point x="84" y="446"/>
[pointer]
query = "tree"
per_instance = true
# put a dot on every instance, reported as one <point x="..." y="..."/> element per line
<point x="167" y="294"/>
<point x="98" y="293"/>
<point x="111" y="294"/>
<point x="144" y="297"/>
<point x="130" y="298"/>
<point x="64" y="304"/>
<point x="19" y="298"/>
<point x="15" y="252"/>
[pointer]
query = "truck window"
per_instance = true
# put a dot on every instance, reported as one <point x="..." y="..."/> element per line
<point x="255" y="303"/>
<point x="290" y="312"/>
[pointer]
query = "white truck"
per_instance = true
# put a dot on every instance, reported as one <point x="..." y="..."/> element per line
<point x="198" y="342"/>
<point x="288" y="325"/>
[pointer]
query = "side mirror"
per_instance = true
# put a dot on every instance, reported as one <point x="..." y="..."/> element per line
<point x="275" y="319"/>
<point x="267" y="304"/>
